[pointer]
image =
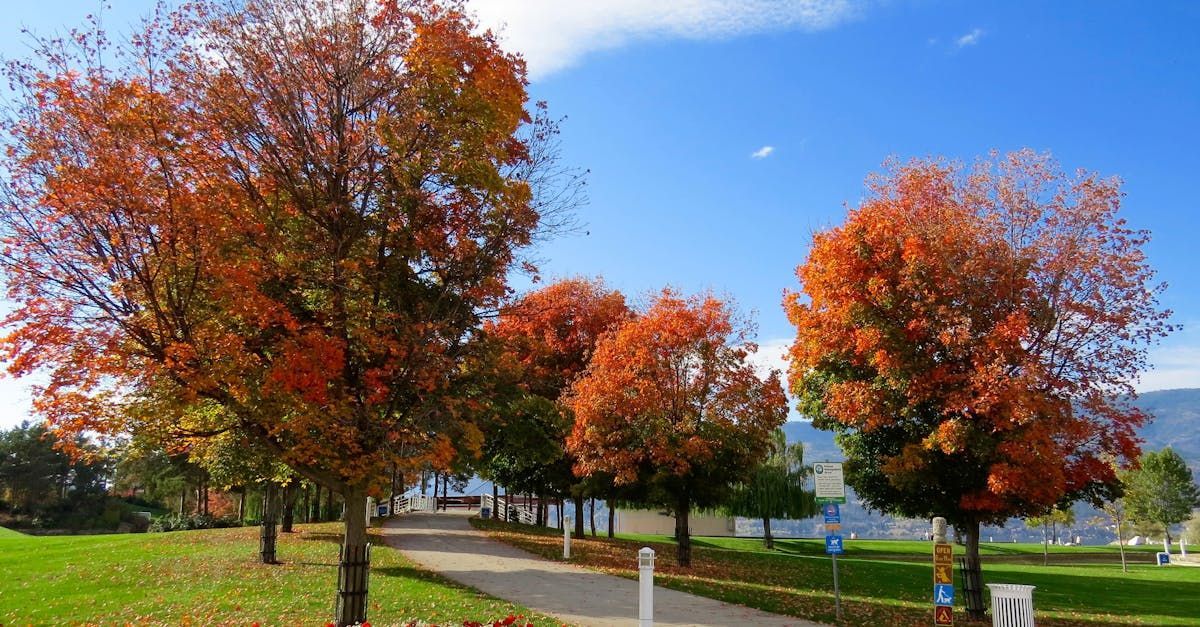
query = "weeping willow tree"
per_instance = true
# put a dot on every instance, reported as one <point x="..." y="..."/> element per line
<point x="776" y="489"/>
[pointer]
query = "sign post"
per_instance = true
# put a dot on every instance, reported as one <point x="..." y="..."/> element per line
<point x="830" y="491"/>
<point x="943" y="575"/>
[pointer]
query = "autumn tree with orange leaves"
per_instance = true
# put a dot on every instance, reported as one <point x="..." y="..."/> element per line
<point x="669" y="401"/>
<point x="973" y="335"/>
<point x="299" y="210"/>
<point x="550" y="335"/>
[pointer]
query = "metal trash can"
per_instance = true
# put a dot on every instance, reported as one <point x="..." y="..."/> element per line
<point x="1012" y="605"/>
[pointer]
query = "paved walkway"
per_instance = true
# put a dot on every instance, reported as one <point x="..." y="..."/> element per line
<point x="446" y="543"/>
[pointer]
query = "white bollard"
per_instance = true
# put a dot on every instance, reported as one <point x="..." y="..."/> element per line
<point x="1183" y="546"/>
<point x="646" y="587"/>
<point x="370" y="509"/>
<point x="566" y="537"/>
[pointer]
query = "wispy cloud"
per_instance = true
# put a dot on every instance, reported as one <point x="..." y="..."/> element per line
<point x="1174" y="366"/>
<point x="970" y="39"/>
<point x="762" y="153"/>
<point x="556" y="34"/>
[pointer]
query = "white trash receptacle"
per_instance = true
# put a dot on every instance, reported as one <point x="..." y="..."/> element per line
<point x="1012" y="605"/>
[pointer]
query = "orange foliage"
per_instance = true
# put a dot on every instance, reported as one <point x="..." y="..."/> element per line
<point x="303" y="222"/>
<point x="994" y="316"/>
<point x="552" y="332"/>
<point x="671" y="392"/>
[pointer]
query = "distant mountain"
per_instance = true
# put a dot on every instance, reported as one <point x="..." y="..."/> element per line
<point x="1175" y="423"/>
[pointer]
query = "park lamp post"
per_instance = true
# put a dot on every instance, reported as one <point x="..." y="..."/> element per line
<point x="646" y="587"/>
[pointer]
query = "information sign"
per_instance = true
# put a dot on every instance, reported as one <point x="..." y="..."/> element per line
<point x="829" y="484"/>
<point x="832" y="513"/>
<point x="943" y="594"/>
<point x="943" y="584"/>
<point x="833" y="544"/>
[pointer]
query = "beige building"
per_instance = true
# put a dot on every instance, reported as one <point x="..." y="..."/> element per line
<point x="656" y="523"/>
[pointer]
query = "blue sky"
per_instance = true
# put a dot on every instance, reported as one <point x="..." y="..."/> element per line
<point x="667" y="104"/>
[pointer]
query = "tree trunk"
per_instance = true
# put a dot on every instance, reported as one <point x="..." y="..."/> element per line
<point x="435" y="493"/>
<point x="183" y="501"/>
<point x="683" y="552"/>
<point x="1045" y="545"/>
<point x="973" y="575"/>
<point x="424" y="483"/>
<point x="539" y="515"/>
<point x="307" y="503"/>
<point x="767" y="539"/>
<point x="612" y="518"/>
<point x="592" y="515"/>
<point x="242" y="505"/>
<point x="268" y="534"/>
<point x="1121" y="543"/>
<point x="1167" y="533"/>
<point x="579" y="515"/>
<point x="289" y="507"/>
<point x="354" y="562"/>
<point x="495" y="500"/>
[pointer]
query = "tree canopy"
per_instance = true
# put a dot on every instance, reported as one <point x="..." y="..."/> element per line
<point x="1161" y="490"/>
<point x="776" y="488"/>
<point x="549" y="336"/>
<point x="669" y="401"/>
<point x="297" y="209"/>
<point x="971" y="333"/>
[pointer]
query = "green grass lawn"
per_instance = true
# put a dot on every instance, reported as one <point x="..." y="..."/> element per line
<point x="914" y="549"/>
<point x="212" y="578"/>
<point x="5" y="532"/>
<point x="890" y="582"/>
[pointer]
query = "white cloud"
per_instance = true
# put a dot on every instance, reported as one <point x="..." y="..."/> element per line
<point x="762" y="153"/>
<point x="771" y="355"/>
<point x="1174" y="367"/>
<point x="970" y="39"/>
<point x="556" y="34"/>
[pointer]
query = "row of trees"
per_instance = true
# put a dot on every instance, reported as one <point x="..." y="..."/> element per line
<point x="658" y="408"/>
<point x="1156" y="495"/>
<point x="284" y="223"/>
<point x="267" y="234"/>
<point x="43" y="486"/>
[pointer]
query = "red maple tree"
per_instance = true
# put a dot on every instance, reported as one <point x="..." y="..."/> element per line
<point x="551" y="334"/>
<point x="296" y="210"/>
<point x="974" y="335"/>
<point x="670" y="401"/>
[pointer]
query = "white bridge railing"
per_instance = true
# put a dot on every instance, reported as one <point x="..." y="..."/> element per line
<point x="402" y="504"/>
<point x="500" y="508"/>
<point x="503" y="510"/>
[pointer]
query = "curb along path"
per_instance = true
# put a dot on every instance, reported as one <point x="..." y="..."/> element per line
<point x="447" y="544"/>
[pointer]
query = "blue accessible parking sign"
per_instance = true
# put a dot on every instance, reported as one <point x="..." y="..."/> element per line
<point x="833" y="545"/>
